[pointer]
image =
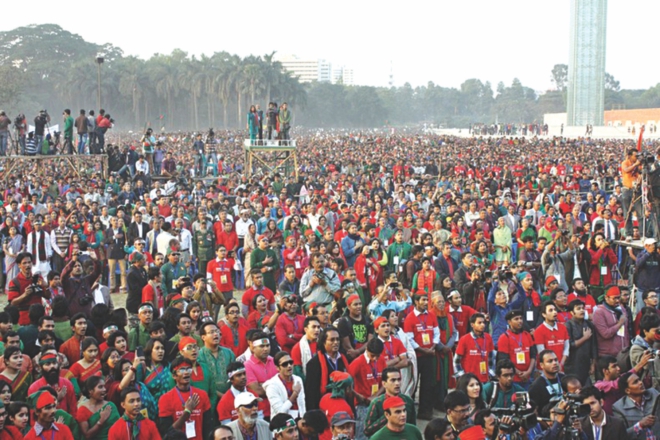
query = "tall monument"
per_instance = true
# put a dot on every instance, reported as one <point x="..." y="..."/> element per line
<point x="586" y="63"/>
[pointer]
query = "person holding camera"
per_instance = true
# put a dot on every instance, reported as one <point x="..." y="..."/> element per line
<point x="26" y="289"/>
<point x="643" y="343"/>
<point x="77" y="285"/>
<point x="630" y="197"/>
<point x="558" y="429"/>
<point x="40" y="122"/>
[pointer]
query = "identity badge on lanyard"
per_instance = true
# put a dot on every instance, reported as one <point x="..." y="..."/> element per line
<point x="483" y="366"/>
<point x="223" y="277"/>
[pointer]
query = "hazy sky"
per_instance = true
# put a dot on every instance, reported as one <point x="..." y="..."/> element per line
<point x="435" y="40"/>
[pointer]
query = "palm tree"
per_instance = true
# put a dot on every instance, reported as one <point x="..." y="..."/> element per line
<point x="272" y="73"/>
<point x="133" y="83"/>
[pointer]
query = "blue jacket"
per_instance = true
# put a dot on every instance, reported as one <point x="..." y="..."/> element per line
<point x="348" y="246"/>
<point x="497" y="314"/>
<point x="648" y="270"/>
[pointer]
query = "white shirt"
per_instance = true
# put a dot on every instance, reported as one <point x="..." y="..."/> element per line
<point x="185" y="238"/>
<point x="602" y="425"/>
<point x="242" y="227"/>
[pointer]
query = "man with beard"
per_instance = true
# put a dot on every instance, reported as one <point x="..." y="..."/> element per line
<point x="184" y="408"/>
<point x="133" y="425"/>
<point x="45" y="425"/>
<point x="612" y="428"/>
<point x="248" y="426"/>
<point x="66" y="396"/>
<point x="580" y="292"/>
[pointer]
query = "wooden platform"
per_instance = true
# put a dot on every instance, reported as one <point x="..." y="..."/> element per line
<point x="74" y="161"/>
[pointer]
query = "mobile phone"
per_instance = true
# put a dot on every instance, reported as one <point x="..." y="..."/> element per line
<point x="139" y="352"/>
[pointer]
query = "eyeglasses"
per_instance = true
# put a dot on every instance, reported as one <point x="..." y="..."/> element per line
<point x="233" y="313"/>
<point x="460" y="411"/>
<point x="185" y="370"/>
<point x="191" y="347"/>
<point x="251" y="405"/>
<point x="286" y="364"/>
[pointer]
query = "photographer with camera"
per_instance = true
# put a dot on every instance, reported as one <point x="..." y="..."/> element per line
<point x="643" y="343"/>
<point x="5" y="122"/>
<point x="597" y="423"/>
<point x="630" y="195"/>
<point x="40" y="122"/>
<point x="26" y="289"/>
<point x="559" y="428"/>
<point x="77" y="285"/>
<point x="499" y="305"/>
<point x="20" y="127"/>
<point x="558" y="264"/>
<point x="490" y="426"/>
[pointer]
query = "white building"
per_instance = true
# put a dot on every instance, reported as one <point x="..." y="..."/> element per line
<point x="343" y="75"/>
<point x="306" y="69"/>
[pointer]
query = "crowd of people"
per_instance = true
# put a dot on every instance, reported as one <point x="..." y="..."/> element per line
<point x="396" y="274"/>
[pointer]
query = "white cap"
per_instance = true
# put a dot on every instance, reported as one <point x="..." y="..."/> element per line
<point x="245" y="398"/>
<point x="649" y="241"/>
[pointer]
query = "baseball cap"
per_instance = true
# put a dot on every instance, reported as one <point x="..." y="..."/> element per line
<point x="341" y="418"/>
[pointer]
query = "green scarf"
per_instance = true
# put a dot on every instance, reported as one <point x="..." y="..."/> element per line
<point x="135" y="423"/>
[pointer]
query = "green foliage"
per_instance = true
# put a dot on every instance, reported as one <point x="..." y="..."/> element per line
<point x="45" y="66"/>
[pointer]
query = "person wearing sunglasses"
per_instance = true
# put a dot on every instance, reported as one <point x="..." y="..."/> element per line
<point x="248" y="423"/>
<point x="285" y="390"/>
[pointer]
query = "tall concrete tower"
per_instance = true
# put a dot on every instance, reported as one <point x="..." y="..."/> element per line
<point x="586" y="63"/>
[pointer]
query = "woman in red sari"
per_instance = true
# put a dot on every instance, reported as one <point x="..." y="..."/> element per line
<point x="88" y="366"/>
<point x="19" y="379"/>
<point x="260" y="318"/>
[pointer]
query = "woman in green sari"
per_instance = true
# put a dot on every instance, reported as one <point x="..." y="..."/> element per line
<point x="526" y="230"/>
<point x="19" y="379"/>
<point x="96" y="415"/>
<point x="155" y="373"/>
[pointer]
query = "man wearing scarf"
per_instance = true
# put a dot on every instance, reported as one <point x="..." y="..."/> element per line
<point x="133" y="425"/>
<point x="611" y="330"/>
<point x="39" y="245"/>
<point x="327" y="361"/>
<point x="45" y="427"/>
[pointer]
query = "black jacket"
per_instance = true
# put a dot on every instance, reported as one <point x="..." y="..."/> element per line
<point x="614" y="429"/>
<point x="115" y="244"/>
<point x="132" y="232"/>
<point x="136" y="280"/>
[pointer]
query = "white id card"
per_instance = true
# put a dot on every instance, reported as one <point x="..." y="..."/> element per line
<point x="621" y="331"/>
<point x="297" y="264"/>
<point x="530" y="315"/>
<point x="396" y="260"/>
<point x="190" y="430"/>
<point x="603" y="270"/>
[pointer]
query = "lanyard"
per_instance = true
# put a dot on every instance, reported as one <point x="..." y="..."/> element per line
<point x="476" y="342"/>
<point x="512" y="336"/>
<point x="52" y="434"/>
<point x="556" y="387"/>
<point x="183" y="402"/>
<point x="597" y="435"/>
<point x="374" y="370"/>
<point x="294" y="321"/>
<point x="333" y="364"/>
<point x="390" y="350"/>
<point x="234" y="332"/>
<point x="423" y="321"/>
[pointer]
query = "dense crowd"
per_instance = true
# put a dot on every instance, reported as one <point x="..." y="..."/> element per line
<point x="398" y="272"/>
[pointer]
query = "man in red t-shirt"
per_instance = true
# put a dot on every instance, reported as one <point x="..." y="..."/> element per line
<point x="475" y="352"/>
<point x="517" y="345"/>
<point x="136" y="427"/>
<point x="461" y="313"/>
<point x="21" y="293"/>
<point x="184" y="404"/>
<point x="424" y="335"/>
<point x="219" y="270"/>
<point x="366" y="372"/>
<point x="552" y="335"/>
<point x="394" y="353"/>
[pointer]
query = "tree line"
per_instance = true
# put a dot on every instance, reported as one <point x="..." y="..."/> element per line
<point x="47" y="67"/>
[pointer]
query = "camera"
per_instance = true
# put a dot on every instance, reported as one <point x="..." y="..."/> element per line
<point x="646" y="158"/>
<point x="521" y="415"/>
<point x="654" y="353"/>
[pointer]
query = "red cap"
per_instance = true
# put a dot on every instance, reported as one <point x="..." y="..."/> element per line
<point x="551" y="279"/>
<point x="473" y="433"/>
<point x="351" y="299"/>
<point x="393" y="402"/>
<point x="185" y="341"/>
<point x="44" y="400"/>
<point x="379" y="321"/>
<point x="613" y="291"/>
